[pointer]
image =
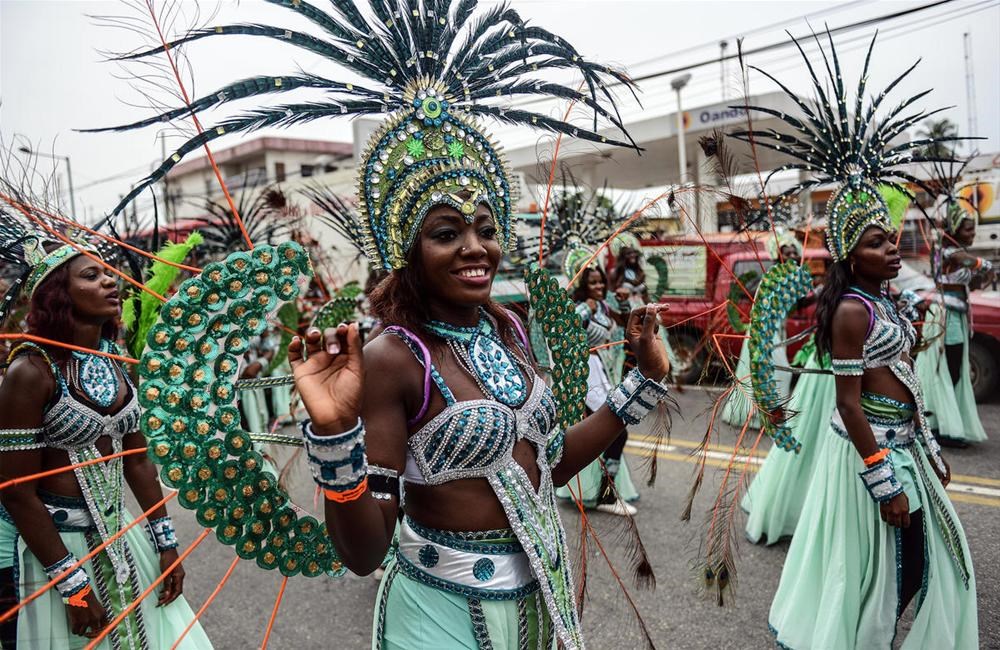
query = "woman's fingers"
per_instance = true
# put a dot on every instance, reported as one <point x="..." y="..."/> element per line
<point x="295" y="348"/>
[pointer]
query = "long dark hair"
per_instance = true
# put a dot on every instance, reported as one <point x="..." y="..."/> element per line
<point x="838" y="281"/>
<point x="580" y="290"/>
<point x="399" y="300"/>
<point x="51" y="313"/>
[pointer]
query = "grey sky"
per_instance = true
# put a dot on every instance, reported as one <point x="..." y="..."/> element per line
<point x="53" y="77"/>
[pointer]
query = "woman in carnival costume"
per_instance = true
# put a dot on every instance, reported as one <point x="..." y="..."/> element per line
<point x="783" y="246"/>
<point x="774" y="499"/>
<point x="877" y="529"/>
<point x="446" y="401"/>
<point x="944" y="366"/>
<point x="593" y="485"/>
<point x="59" y="408"/>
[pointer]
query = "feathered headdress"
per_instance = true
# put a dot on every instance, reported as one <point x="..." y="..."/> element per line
<point x="855" y="151"/>
<point x="431" y="64"/>
<point x="781" y="238"/>
<point x="954" y="206"/>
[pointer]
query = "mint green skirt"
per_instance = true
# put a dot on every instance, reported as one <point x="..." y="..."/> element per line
<point x="44" y="623"/>
<point x="839" y="586"/>
<point x="774" y="499"/>
<point x="411" y="615"/>
<point x="953" y="409"/>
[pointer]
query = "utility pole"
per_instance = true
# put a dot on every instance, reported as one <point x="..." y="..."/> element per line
<point x="970" y="84"/>
<point x="722" y="67"/>
<point x="166" y="184"/>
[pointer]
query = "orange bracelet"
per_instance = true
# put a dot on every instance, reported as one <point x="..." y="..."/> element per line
<point x="79" y="598"/>
<point x="350" y="495"/>
<point x="876" y="457"/>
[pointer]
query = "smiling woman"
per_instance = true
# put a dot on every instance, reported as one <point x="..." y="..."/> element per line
<point x="60" y="408"/>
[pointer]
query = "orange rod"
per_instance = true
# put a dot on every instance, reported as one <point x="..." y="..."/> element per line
<point x="208" y="601"/>
<point x="197" y="124"/>
<point x="704" y="313"/>
<point x="68" y="468"/>
<point x="717" y="256"/>
<point x="16" y="608"/>
<point x="274" y="613"/>
<point x="608" y="345"/>
<point x="548" y="189"/>
<point x="87" y="253"/>
<point x="69" y="346"/>
<point x="156" y="583"/>
<point x="106" y="237"/>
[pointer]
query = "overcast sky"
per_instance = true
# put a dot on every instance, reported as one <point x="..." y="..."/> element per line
<point x="54" y="77"/>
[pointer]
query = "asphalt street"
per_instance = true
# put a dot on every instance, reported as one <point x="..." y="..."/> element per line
<point x="337" y="613"/>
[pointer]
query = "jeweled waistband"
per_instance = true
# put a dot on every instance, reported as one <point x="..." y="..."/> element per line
<point x="69" y="514"/>
<point x="489" y="565"/>
<point x="893" y="434"/>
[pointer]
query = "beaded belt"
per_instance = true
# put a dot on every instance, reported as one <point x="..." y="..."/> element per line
<point x="888" y="433"/>
<point x="489" y="565"/>
<point x="69" y="514"/>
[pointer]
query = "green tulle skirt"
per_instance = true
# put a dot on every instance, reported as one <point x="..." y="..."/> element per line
<point x="737" y="406"/>
<point x="953" y="407"/>
<point x="774" y="499"/>
<point x="589" y="486"/>
<point x="839" y="586"/>
<point x="44" y="624"/>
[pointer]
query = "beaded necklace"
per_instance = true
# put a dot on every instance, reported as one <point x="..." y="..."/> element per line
<point x="481" y="353"/>
<point x="95" y="376"/>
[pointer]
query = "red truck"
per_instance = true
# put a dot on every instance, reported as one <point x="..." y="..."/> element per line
<point x="699" y="280"/>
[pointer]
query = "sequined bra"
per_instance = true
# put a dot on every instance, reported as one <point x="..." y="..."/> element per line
<point x="70" y="424"/>
<point x="889" y="334"/>
<point x="472" y="438"/>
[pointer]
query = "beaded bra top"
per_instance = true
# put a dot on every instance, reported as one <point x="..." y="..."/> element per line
<point x="71" y="424"/>
<point x="597" y="322"/>
<point x="476" y="438"/>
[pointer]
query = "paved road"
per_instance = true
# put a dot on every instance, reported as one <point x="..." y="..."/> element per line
<point x="326" y="613"/>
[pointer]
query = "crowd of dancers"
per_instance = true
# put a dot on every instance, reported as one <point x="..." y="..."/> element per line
<point x="441" y="447"/>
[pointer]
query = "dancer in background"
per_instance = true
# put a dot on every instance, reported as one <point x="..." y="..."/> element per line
<point x="877" y="529"/>
<point x="944" y="366"/>
<point x="59" y="408"/>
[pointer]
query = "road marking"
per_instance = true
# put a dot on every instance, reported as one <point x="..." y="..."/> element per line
<point x="961" y="492"/>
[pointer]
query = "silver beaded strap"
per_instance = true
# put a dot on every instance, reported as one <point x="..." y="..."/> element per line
<point x="73" y="583"/>
<point x="338" y="463"/>
<point x="848" y="367"/>
<point x="162" y="533"/>
<point x="383" y="482"/>
<point x="20" y="439"/>
<point x="635" y="397"/>
<point x="880" y="481"/>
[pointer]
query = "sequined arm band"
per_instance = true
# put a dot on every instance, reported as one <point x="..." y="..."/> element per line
<point x="162" y="533"/>
<point x="383" y="483"/>
<point x="635" y="397"/>
<point x="20" y="439"/>
<point x="338" y="463"/>
<point x="848" y="367"/>
<point x="73" y="583"/>
<point x="880" y="481"/>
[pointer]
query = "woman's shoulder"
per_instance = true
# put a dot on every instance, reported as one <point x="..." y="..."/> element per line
<point x="30" y="373"/>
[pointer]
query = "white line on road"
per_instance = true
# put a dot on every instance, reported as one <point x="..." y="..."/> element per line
<point x="961" y="488"/>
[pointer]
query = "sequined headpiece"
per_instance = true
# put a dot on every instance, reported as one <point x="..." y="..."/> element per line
<point x="575" y="259"/>
<point x="43" y="264"/>
<point x="431" y="69"/>
<point x="842" y="141"/>
<point x="953" y="201"/>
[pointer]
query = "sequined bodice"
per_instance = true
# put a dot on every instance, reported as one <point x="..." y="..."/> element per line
<point x="889" y="337"/>
<point x="474" y="438"/>
<point x="70" y="424"/>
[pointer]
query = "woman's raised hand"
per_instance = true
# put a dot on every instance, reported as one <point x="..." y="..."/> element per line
<point x="329" y="376"/>
<point x="641" y="334"/>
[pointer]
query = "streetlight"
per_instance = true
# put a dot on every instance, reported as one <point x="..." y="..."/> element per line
<point x="69" y="173"/>
<point x="678" y="83"/>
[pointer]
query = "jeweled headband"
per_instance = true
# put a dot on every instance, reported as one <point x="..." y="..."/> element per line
<point x="43" y="264"/>
<point x="855" y="207"/>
